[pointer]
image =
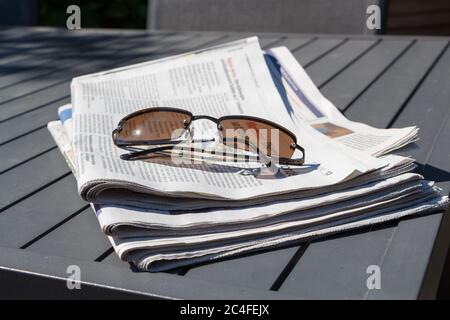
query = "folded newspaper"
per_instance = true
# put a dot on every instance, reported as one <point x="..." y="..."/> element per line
<point x="347" y="181"/>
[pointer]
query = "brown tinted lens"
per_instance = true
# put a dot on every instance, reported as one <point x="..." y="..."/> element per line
<point x="153" y="126"/>
<point x="256" y="136"/>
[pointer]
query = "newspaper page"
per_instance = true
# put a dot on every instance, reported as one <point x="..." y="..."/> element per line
<point x="228" y="79"/>
<point x="307" y="103"/>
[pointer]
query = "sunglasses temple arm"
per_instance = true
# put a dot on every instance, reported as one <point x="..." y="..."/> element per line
<point x="301" y="150"/>
<point x="295" y="162"/>
<point x="133" y="155"/>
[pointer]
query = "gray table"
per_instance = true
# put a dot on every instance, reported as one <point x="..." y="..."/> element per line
<point x="45" y="227"/>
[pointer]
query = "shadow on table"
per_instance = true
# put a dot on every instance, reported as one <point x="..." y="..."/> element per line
<point x="433" y="173"/>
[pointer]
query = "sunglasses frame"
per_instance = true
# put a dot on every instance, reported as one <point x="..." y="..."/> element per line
<point x="193" y="117"/>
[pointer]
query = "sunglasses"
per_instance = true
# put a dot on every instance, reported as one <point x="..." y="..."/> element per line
<point x="163" y="126"/>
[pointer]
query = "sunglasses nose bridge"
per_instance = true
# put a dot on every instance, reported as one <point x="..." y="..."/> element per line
<point x="210" y="118"/>
<point x="205" y="117"/>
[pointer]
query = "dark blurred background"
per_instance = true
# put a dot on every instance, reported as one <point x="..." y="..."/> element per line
<point x="130" y="14"/>
<point x="430" y="17"/>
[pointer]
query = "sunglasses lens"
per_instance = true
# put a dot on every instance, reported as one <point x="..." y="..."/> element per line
<point x="152" y="125"/>
<point x="257" y="136"/>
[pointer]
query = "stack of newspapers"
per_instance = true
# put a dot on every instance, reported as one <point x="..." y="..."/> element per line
<point x="161" y="215"/>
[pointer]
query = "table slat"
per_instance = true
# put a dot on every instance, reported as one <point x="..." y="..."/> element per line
<point x="315" y="50"/>
<point x="62" y="56"/>
<point x="34" y="216"/>
<point x="406" y="74"/>
<point x="341" y="57"/>
<point x="80" y="239"/>
<point x="25" y="148"/>
<point x="349" y="84"/>
<point x="30" y="177"/>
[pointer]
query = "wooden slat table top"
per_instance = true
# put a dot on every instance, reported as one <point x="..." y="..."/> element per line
<point x="45" y="227"/>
